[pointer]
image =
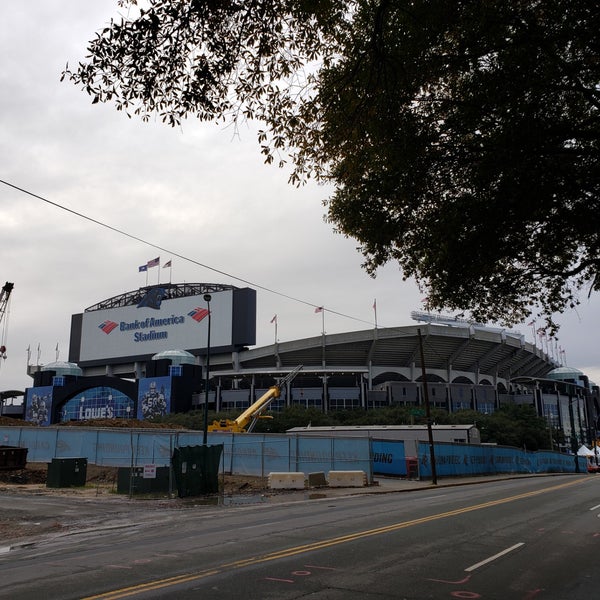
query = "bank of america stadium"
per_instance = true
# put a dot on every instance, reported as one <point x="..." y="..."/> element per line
<point x="159" y="340"/>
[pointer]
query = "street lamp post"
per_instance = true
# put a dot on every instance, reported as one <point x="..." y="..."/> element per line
<point x="428" y="414"/>
<point x="574" y="443"/>
<point x="207" y="298"/>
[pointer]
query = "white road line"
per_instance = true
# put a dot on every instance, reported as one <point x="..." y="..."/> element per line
<point x="595" y="507"/>
<point x="430" y="498"/>
<point x="491" y="558"/>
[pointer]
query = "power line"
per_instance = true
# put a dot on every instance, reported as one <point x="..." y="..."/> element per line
<point x="176" y="254"/>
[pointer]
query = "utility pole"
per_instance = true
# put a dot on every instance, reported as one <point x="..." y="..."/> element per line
<point x="427" y="412"/>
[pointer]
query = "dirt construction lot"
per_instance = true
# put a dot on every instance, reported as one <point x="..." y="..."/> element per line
<point x="101" y="482"/>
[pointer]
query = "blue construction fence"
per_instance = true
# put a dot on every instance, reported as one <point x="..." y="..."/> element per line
<point x="243" y="454"/>
<point x="261" y="454"/>
<point x="452" y="460"/>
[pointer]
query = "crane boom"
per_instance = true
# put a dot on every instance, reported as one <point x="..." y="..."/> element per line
<point x="4" y="298"/>
<point x="247" y="420"/>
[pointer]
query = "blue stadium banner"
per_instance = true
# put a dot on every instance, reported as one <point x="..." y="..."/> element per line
<point x="154" y="397"/>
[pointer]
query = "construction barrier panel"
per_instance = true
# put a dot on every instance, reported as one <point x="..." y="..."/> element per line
<point x="141" y="480"/>
<point x="286" y="481"/>
<point x="347" y="479"/>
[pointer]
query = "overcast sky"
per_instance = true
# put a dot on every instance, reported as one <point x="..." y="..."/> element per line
<point x="198" y="191"/>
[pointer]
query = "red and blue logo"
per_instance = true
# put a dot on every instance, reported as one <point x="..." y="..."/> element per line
<point x="198" y="314"/>
<point x="108" y="326"/>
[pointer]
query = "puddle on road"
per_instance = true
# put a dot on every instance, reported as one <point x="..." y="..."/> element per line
<point x="230" y="500"/>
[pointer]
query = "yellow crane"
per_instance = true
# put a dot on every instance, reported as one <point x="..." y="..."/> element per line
<point x="4" y="298"/>
<point x="247" y="420"/>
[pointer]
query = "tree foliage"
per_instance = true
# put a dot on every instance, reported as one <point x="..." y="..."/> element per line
<point x="460" y="138"/>
<point x="511" y="425"/>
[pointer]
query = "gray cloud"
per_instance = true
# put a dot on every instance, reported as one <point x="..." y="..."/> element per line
<point x="198" y="190"/>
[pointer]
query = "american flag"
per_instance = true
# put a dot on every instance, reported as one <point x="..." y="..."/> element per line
<point x="154" y="262"/>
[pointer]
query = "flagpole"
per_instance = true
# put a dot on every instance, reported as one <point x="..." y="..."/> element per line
<point x="323" y="335"/>
<point x="321" y="309"/>
<point x="532" y="325"/>
<point x="375" y="309"/>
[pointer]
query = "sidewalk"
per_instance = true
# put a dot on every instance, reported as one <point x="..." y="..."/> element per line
<point x="386" y="485"/>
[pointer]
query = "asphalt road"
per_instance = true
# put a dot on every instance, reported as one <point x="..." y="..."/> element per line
<point x="522" y="539"/>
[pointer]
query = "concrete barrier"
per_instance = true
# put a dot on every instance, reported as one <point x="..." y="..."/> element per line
<point x="286" y="481"/>
<point x="347" y="479"/>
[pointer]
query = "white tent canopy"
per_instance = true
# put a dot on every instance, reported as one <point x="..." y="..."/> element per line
<point x="585" y="451"/>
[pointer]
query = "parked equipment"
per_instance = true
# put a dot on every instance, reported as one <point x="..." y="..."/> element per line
<point x="247" y="420"/>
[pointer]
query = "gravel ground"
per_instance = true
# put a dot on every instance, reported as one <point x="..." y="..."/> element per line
<point x="101" y="483"/>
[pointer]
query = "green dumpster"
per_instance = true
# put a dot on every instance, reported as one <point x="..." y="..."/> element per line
<point x="12" y="458"/>
<point x="66" y="472"/>
<point x="196" y="469"/>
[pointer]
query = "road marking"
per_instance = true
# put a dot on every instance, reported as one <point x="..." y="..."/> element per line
<point x="327" y="543"/>
<point x="459" y="582"/>
<point x="595" y="507"/>
<point x="429" y="498"/>
<point x="492" y="558"/>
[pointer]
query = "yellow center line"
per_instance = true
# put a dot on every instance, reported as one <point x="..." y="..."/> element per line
<point x="287" y="552"/>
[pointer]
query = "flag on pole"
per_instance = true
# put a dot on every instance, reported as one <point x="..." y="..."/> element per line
<point x="319" y="309"/>
<point x="143" y="268"/>
<point x="154" y="262"/>
<point x="167" y="264"/>
<point x="274" y="319"/>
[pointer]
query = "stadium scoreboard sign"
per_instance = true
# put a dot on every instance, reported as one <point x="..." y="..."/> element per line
<point x="157" y="324"/>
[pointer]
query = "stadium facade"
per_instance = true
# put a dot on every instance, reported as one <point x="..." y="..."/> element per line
<point x="145" y="352"/>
